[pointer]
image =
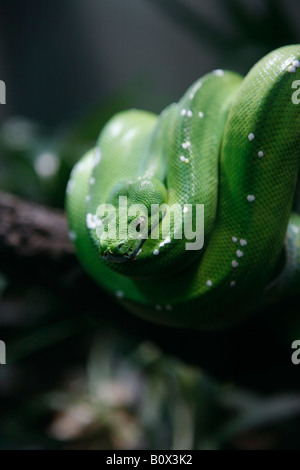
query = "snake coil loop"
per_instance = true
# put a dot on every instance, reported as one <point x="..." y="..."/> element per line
<point x="230" y="145"/>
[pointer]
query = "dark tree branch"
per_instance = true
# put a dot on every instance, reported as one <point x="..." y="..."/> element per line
<point x="33" y="239"/>
<point x="30" y="229"/>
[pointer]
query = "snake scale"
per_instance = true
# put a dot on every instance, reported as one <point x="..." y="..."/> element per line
<point x="231" y="144"/>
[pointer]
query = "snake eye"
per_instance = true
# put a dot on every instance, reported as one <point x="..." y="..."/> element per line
<point x="120" y="245"/>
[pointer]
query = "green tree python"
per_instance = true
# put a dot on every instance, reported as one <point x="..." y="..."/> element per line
<point x="230" y="145"/>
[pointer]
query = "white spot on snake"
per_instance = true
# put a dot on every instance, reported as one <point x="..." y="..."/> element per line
<point x="158" y="307"/>
<point x="169" y="307"/>
<point x="260" y="154"/>
<point x="234" y="263"/>
<point x="201" y="114"/>
<point x="97" y="156"/>
<point x="243" y="242"/>
<point x="72" y="235"/>
<point x="294" y="229"/>
<point x="87" y="197"/>
<point x="251" y="136"/>
<point x="119" y="294"/>
<point x="185" y="210"/>
<point x="91" y="221"/>
<point x="186" y="144"/>
<point x="291" y="69"/>
<point x="189" y="113"/>
<point x="92" y="180"/>
<point x="76" y="168"/>
<point x="232" y="284"/>
<point x="195" y="89"/>
<point x="182" y="158"/>
<point x="139" y="237"/>
<point x="70" y="186"/>
<point x="250" y="198"/>
<point x="167" y="240"/>
<point x="130" y="134"/>
<point x="139" y="252"/>
<point x="82" y="166"/>
<point x="239" y="253"/>
<point x="183" y="112"/>
<point x="234" y="239"/>
<point x="209" y="283"/>
<point x="219" y="72"/>
<point x="296" y="63"/>
<point x="116" y="129"/>
<point x="156" y="252"/>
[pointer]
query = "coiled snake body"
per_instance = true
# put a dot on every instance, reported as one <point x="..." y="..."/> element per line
<point x="231" y="144"/>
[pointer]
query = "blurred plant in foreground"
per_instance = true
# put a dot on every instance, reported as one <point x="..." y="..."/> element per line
<point x="137" y="397"/>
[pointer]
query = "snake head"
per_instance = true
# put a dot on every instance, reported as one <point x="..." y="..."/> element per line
<point x="129" y="223"/>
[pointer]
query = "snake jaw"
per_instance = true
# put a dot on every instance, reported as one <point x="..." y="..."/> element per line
<point x="114" y="255"/>
<point x="130" y="255"/>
